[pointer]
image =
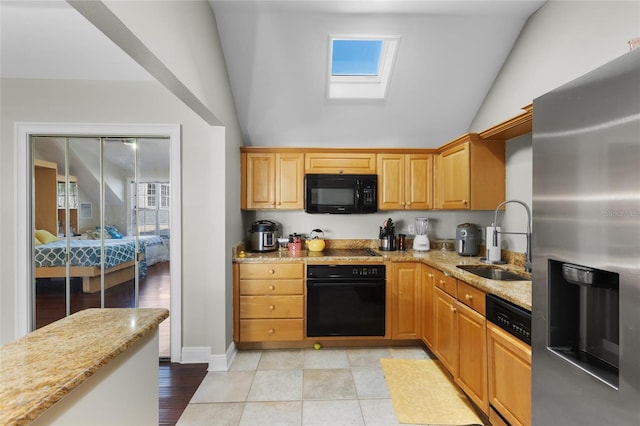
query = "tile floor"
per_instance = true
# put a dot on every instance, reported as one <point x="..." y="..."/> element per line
<point x="330" y="386"/>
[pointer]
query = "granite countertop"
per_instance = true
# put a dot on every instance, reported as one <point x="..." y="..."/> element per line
<point x="39" y="369"/>
<point x="517" y="292"/>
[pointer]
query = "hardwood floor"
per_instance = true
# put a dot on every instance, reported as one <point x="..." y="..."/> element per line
<point x="178" y="383"/>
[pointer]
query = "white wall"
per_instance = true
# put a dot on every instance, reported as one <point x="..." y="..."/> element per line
<point x="561" y="41"/>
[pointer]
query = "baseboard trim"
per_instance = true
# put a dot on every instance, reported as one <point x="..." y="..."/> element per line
<point x="223" y="362"/>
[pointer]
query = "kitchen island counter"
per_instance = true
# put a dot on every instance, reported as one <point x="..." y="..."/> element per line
<point x="40" y="369"/>
<point x="517" y="292"/>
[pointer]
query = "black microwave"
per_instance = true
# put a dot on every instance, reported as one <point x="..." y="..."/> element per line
<point x="327" y="193"/>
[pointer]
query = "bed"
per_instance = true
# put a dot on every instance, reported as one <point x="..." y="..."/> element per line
<point x="85" y="259"/>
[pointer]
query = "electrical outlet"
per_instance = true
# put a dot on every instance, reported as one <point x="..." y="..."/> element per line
<point x="412" y="229"/>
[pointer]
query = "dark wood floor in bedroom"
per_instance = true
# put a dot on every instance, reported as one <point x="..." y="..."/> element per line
<point x="178" y="383"/>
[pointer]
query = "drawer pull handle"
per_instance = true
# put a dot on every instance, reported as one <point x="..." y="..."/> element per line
<point x="272" y="331"/>
<point x="272" y="287"/>
<point x="271" y="307"/>
<point x="271" y="271"/>
<point x="468" y="296"/>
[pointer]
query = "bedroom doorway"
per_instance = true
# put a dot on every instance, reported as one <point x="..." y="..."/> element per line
<point x="101" y="216"/>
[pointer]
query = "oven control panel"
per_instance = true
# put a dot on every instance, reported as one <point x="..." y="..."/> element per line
<point x="511" y="318"/>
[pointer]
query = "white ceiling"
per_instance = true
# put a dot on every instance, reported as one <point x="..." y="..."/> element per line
<point x="276" y="54"/>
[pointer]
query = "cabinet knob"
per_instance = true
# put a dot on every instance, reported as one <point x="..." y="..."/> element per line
<point x="453" y="308"/>
<point x="271" y="271"/>
<point x="272" y="331"/>
<point x="408" y="203"/>
<point x="468" y="296"/>
<point x="272" y="287"/>
<point x="403" y="203"/>
<point x="271" y="307"/>
<point x="279" y="203"/>
<point x="431" y="276"/>
<point x="465" y="202"/>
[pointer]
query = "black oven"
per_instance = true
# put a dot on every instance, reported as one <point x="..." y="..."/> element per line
<point x="345" y="300"/>
<point x="327" y="193"/>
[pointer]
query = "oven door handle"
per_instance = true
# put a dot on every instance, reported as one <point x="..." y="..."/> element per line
<point x="354" y="283"/>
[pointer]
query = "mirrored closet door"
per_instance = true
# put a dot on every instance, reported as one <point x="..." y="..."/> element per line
<point x="101" y="209"/>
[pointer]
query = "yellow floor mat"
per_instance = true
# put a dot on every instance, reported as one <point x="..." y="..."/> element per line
<point x="422" y="393"/>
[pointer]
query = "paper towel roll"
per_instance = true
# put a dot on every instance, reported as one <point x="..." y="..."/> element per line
<point x="493" y="250"/>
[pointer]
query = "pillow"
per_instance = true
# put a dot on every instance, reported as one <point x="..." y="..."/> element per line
<point x="113" y="231"/>
<point x="95" y="235"/>
<point x="36" y="241"/>
<point x="45" y="236"/>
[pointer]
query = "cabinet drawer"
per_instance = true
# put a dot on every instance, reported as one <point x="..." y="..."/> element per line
<point x="471" y="296"/>
<point x="264" y="330"/>
<point x="340" y="162"/>
<point x="446" y="283"/>
<point x="267" y="287"/>
<point x="271" y="306"/>
<point x="271" y="270"/>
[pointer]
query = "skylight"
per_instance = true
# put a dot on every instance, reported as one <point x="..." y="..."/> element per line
<point x="360" y="67"/>
<point x="355" y="57"/>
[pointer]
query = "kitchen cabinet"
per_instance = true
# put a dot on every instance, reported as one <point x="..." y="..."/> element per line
<point x="406" y="300"/>
<point x="272" y="180"/>
<point x="445" y="346"/>
<point x="460" y="336"/>
<point x="428" y="312"/>
<point x="471" y="374"/>
<point x="405" y="181"/>
<point x="340" y="162"/>
<point x="470" y="174"/>
<point x="269" y="302"/>
<point x="509" y="371"/>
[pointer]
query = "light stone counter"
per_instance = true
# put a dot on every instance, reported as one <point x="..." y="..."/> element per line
<point x="517" y="292"/>
<point x="42" y="368"/>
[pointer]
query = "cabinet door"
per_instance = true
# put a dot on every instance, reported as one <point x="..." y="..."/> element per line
<point x="419" y="181"/>
<point x="407" y="304"/>
<point x="472" y="356"/>
<point x="428" y="317"/>
<point x="509" y="362"/>
<point x="260" y="181"/>
<point x="446" y="347"/>
<point x="289" y="182"/>
<point x="391" y="182"/>
<point x="455" y="184"/>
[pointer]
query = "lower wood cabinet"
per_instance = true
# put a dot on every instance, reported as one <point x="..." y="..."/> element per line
<point x="406" y="301"/>
<point x="460" y="336"/>
<point x="428" y="305"/>
<point x="270" y="302"/>
<point x="509" y="366"/>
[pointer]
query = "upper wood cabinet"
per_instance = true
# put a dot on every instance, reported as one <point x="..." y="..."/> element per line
<point x="340" y="162"/>
<point x="470" y="174"/>
<point x="405" y="181"/>
<point x="272" y="180"/>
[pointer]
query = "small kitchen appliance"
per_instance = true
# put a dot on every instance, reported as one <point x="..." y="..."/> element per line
<point x="421" y="241"/>
<point x="388" y="236"/>
<point x="467" y="239"/>
<point x="264" y="236"/>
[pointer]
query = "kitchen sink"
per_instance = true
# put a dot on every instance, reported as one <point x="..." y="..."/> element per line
<point x="493" y="273"/>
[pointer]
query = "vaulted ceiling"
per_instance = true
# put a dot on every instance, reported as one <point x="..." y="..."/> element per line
<point x="276" y="54"/>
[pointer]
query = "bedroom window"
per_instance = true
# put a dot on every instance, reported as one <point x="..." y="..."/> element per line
<point x="153" y="201"/>
<point x="360" y="66"/>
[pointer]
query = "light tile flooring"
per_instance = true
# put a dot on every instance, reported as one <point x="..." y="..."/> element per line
<point x="330" y="386"/>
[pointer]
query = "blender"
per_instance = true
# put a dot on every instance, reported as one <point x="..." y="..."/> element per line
<point x="421" y="241"/>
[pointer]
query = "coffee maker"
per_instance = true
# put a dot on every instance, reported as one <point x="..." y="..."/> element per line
<point x="467" y="239"/>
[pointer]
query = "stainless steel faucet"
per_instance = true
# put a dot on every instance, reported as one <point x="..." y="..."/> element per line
<point x="528" y="263"/>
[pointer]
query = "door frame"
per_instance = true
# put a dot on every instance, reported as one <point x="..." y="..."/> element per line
<point x="24" y="270"/>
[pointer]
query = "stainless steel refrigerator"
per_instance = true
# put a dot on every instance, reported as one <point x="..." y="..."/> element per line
<point x="586" y="249"/>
